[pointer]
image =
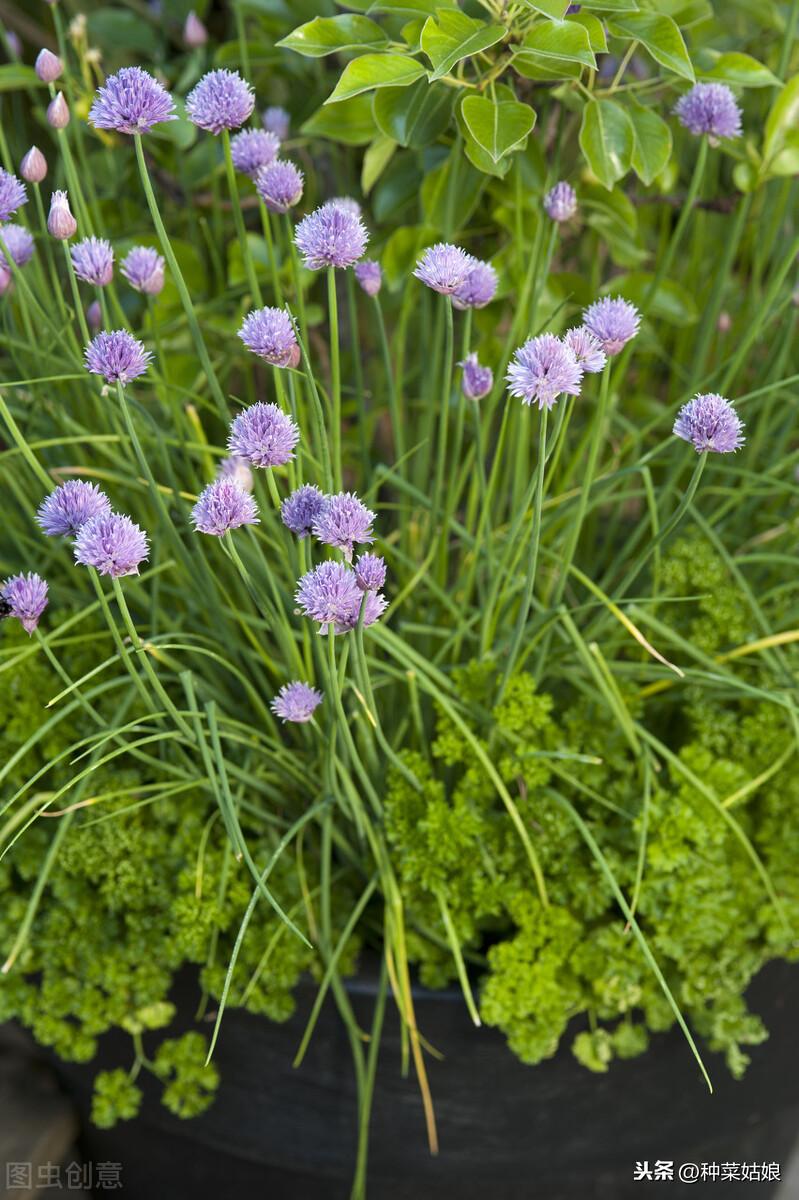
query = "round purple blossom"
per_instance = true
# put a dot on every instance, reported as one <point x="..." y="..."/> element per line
<point x="112" y="544"/>
<point x="444" y="268"/>
<point x="221" y="100"/>
<point x="48" y="66"/>
<point x="342" y="521"/>
<point x="25" y="598"/>
<point x="710" y="108"/>
<point x="613" y="323"/>
<point x="710" y="422"/>
<point x="331" y="237"/>
<point x="586" y="348"/>
<point x="12" y="195"/>
<point x="542" y="369"/>
<point x="263" y="435"/>
<point x="131" y="101"/>
<point x="143" y="268"/>
<point x="296" y="702"/>
<point x="70" y="506"/>
<point x="330" y="595"/>
<point x="33" y="167"/>
<point x="93" y="260"/>
<point x="223" y="506"/>
<point x="477" y="380"/>
<point x="279" y="185"/>
<point x="270" y="333"/>
<point x="478" y="288"/>
<point x="19" y="243"/>
<point x="252" y="149"/>
<point x="370" y="572"/>
<point x="299" y="510"/>
<point x="277" y="121"/>
<point x="237" y="471"/>
<point x="117" y="356"/>
<point x="60" y="222"/>
<point x="369" y="276"/>
<point x="561" y="202"/>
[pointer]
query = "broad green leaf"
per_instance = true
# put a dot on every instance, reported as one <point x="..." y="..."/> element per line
<point x="545" y="69"/>
<point x="327" y="35"/>
<point x="360" y="6"/>
<point x="497" y="128"/>
<point x="563" y="40"/>
<point x="611" y="5"/>
<point x="111" y="28"/>
<point x="449" y="37"/>
<point x="594" y="28"/>
<point x="412" y="34"/>
<point x="14" y="76"/>
<point x="660" y="36"/>
<point x="481" y="159"/>
<point x="740" y="69"/>
<point x="375" y="71"/>
<point x="414" y="116"/>
<point x="377" y="157"/>
<point x="671" y="302"/>
<point x="784" y="116"/>
<point x="448" y="201"/>
<point x="786" y="161"/>
<point x="651" y="144"/>
<point x="614" y="218"/>
<point x="397" y="189"/>
<point x="411" y="8"/>
<point x="606" y="140"/>
<point x="555" y="9"/>
<point x="745" y="177"/>
<point x="350" y="122"/>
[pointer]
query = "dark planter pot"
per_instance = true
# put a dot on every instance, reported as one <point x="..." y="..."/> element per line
<point x="507" y="1132"/>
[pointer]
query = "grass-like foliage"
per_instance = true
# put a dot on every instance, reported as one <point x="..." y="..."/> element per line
<point x="409" y="576"/>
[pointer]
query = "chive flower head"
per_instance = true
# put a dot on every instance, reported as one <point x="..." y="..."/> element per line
<point x="70" y="506"/>
<point x="709" y="422"/>
<point x="342" y="521"/>
<point x="93" y="260"/>
<point x="263" y="435"/>
<point x="112" y="544"/>
<point x="131" y="101"/>
<point x="709" y="108"/>
<point x="296" y="702"/>
<point x="331" y="236"/>
<point x="25" y="597"/>
<point x="299" y="510"/>
<point x="613" y="323"/>
<point x="270" y="333"/>
<point x="478" y="288"/>
<point x="117" y="356"/>
<point x="444" y="268"/>
<point x="223" y="506"/>
<point x="543" y="369"/>
<point x="279" y="185"/>
<point x="221" y="100"/>
<point x="252" y="149"/>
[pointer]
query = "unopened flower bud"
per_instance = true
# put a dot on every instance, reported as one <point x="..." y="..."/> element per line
<point x="194" y="32"/>
<point x="48" y="66"/>
<point x="13" y="43"/>
<point x="58" y="112"/>
<point x="60" y="222"/>
<point x="724" y="323"/>
<point x="94" y="315"/>
<point x="33" y="167"/>
<point x="6" y="280"/>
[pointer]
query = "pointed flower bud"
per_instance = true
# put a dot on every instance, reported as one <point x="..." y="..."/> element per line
<point x="48" y="66"/>
<point x="33" y="167"/>
<point x="58" y="112"/>
<point x="60" y="222"/>
<point x="194" y="32"/>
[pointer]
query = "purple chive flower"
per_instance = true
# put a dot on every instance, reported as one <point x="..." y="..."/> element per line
<point x="542" y="369"/>
<point x="19" y="243"/>
<point x="330" y="595"/>
<point x="586" y="348"/>
<point x="12" y="195"/>
<point x="223" y="506"/>
<point x="710" y="422"/>
<point x="477" y="380"/>
<point x="296" y="702"/>
<point x="112" y="544"/>
<point x="237" y="471"/>
<point x="331" y="237"/>
<point x="478" y="288"/>
<point x="710" y="108"/>
<point x="348" y="205"/>
<point x="70" y="506"/>
<point x="444" y="268"/>
<point x="33" y="167"/>
<point x="270" y="333"/>
<point x="25" y="597"/>
<point x="263" y="435"/>
<point x="60" y="222"/>
<point x="131" y="101"/>
<point x="279" y="185"/>
<point x="342" y="521"/>
<point x="277" y="121"/>
<point x="370" y="572"/>
<point x="143" y="268"/>
<point x="93" y="260"/>
<point x="221" y="100"/>
<point x="299" y="510"/>
<point x="252" y="149"/>
<point x="194" y="32"/>
<point x="612" y="322"/>
<point x="117" y="356"/>
<point x="48" y="66"/>
<point x="561" y="202"/>
<point x="369" y="276"/>
<point x="58" y="114"/>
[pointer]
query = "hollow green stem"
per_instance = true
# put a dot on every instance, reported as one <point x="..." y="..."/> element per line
<point x="238" y="220"/>
<point x="335" y="376"/>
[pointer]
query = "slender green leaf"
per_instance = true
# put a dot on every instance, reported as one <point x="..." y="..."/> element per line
<point x="497" y="128"/>
<point x="660" y="35"/>
<point x="375" y="71"/>
<point x="606" y="140"/>
<point x="15" y="76"/>
<point x="377" y="157"/>
<point x="327" y="35"/>
<point x="449" y="37"/>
